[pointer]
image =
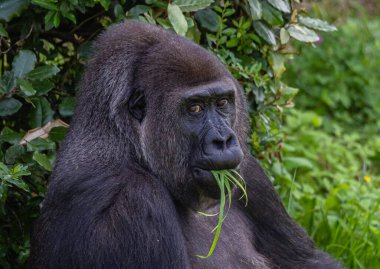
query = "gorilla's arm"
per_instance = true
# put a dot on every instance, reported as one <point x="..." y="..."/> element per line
<point x="110" y="222"/>
<point x="277" y="236"/>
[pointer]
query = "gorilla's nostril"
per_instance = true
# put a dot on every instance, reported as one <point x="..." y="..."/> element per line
<point x="218" y="144"/>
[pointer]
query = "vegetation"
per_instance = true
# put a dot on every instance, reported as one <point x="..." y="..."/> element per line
<point x="226" y="180"/>
<point x="320" y="154"/>
<point x="332" y="148"/>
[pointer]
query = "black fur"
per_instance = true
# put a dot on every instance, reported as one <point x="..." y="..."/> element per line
<point x="122" y="195"/>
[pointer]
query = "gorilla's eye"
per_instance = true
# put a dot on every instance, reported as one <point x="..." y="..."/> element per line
<point x="195" y="109"/>
<point x="222" y="102"/>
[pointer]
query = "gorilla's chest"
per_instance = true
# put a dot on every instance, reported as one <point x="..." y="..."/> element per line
<point x="234" y="249"/>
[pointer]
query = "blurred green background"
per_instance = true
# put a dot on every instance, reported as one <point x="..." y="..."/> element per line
<point x="313" y="94"/>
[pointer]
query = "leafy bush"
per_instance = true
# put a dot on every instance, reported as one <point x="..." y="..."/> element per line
<point x="331" y="155"/>
<point x="331" y="187"/>
<point x="340" y="79"/>
<point x="45" y="43"/>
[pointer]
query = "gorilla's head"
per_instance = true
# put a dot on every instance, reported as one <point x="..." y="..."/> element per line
<point x="166" y="104"/>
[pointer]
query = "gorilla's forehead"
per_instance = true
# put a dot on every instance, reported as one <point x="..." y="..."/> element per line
<point x="221" y="87"/>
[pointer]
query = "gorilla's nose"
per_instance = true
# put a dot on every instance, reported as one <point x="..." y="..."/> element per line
<point x="222" y="150"/>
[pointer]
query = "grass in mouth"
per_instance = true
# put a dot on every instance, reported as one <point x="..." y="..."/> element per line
<point x="225" y="179"/>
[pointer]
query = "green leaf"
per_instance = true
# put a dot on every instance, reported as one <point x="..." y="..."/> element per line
<point x="105" y="3"/>
<point x="23" y="63"/>
<point x="256" y="9"/>
<point x="208" y="20"/>
<point x="277" y="61"/>
<point x="19" y="183"/>
<point x="303" y="34"/>
<point x="49" y="20"/>
<point x="177" y="19"/>
<point x="43" y="72"/>
<point x="40" y="144"/>
<point x="10" y="136"/>
<point x="3" y="32"/>
<point x="284" y="36"/>
<point x="26" y="87"/>
<point x="67" y="12"/>
<point x="7" y="82"/>
<point x="119" y="12"/>
<point x="11" y="8"/>
<point x="42" y="86"/>
<point x="41" y="113"/>
<point x="138" y="10"/>
<point x="192" y="5"/>
<point x="289" y="92"/>
<point x="316" y="24"/>
<point x="264" y="32"/>
<point x="14" y="153"/>
<point x="9" y="106"/>
<point x="294" y="162"/>
<point x="282" y="5"/>
<point x="42" y="160"/>
<point x="57" y="134"/>
<point x="272" y="15"/>
<point x="46" y="4"/>
<point x="233" y="42"/>
<point x="66" y="108"/>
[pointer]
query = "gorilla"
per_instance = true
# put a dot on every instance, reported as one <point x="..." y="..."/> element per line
<point x="155" y="114"/>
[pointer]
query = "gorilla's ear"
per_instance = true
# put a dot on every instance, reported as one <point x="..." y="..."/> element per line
<point x="136" y="105"/>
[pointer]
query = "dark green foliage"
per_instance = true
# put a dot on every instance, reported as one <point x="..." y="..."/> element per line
<point x="44" y="45"/>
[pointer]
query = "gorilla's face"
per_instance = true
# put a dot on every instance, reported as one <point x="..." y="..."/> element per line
<point x="208" y="114"/>
<point x="190" y="134"/>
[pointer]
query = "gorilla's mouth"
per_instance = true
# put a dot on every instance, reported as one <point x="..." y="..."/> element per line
<point x="206" y="182"/>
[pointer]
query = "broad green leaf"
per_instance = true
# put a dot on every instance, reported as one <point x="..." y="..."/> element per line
<point x="303" y="34"/>
<point x="46" y="4"/>
<point x="233" y="42"/>
<point x="284" y="36"/>
<point x="10" y="136"/>
<point x="19" y="183"/>
<point x="7" y="82"/>
<point x="177" y="19"/>
<point x="282" y="5"/>
<point x="40" y="144"/>
<point x="42" y="160"/>
<point x="208" y="19"/>
<point x="57" y="133"/>
<point x="3" y="32"/>
<point x="289" y="92"/>
<point x="138" y="10"/>
<point x="316" y="24"/>
<point x="119" y="12"/>
<point x="9" y="106"/>
<point x="294" y="162"/>
<point x="67" y="13"/>
<point x="66" y="108"/>
<point x="26" y="87"/>
<point x="264" y="32"/>
<point x="277" y="61"/>
<point x="192" y="5"/>
<point x="41" y="113"/>
<point x="20" y="170"/>
<point x="42" y="86"/>
<point x="105" y="3"/>
<point x="11" y="8"/>
<point x="23" y="63"/>
<point x="14" y="153"/>
<point x="49" y="20"/>
<point x="256" y="9"/>
<point x="43" y="72"/>
<point x="272" y="15"/>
